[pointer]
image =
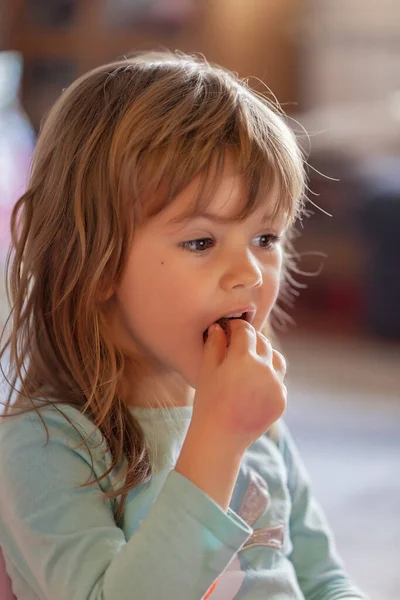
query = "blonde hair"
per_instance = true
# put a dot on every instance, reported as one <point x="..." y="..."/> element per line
<point x="116" y="148"/>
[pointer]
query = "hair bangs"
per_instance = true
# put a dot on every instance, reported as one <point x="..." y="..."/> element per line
<point x="263" y="149"/>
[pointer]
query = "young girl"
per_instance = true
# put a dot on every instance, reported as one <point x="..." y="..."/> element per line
<point x="138" y="456"/>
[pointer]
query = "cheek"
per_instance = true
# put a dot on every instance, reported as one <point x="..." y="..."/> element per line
<point x="179" y="288"/>
<point x="155" y="296"/>
<point x="145" y="279"/>
<point x="273" y="276"/>
<point x="271" y="288"/>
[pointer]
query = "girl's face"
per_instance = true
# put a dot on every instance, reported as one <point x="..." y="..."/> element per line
<point x="180" y="278"/>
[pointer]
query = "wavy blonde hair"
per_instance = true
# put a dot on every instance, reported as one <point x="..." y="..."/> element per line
<point x="116" y="148"/>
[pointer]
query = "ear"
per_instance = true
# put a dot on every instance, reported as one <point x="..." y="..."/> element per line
<point x="110" y="293"/>
<point x="106" y="292"/>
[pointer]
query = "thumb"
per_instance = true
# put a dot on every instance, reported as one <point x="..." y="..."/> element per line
<point x="214" y="348"/>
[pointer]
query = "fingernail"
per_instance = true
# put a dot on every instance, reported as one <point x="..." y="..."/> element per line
<point x="213" y="328"/>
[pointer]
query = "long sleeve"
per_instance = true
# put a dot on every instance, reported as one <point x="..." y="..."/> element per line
<point x="319" y="569"/>
<point x="63" y="543"/>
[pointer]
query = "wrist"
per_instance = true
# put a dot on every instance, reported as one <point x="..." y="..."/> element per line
<point x="211" y="464"/>
<point x="214" y="441"/>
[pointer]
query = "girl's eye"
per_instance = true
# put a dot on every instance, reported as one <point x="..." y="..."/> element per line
<point x="200" y="245"/>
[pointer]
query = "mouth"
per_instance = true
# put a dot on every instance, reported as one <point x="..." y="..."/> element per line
<point x="224" y="323"/>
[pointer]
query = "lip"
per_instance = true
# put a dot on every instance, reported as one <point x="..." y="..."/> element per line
<point x="250" y="310"/>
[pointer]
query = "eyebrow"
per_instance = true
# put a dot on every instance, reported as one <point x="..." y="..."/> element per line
<point x="213" y="218"/>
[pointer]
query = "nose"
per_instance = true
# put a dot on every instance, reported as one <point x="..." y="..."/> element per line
<point x="243" y="271"/>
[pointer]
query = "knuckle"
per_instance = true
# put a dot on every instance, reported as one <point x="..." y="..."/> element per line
<point x="263" y="338"/>
<point x="241" y="324"/>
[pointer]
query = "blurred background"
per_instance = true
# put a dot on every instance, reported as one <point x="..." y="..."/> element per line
<point x="334" y="65"/>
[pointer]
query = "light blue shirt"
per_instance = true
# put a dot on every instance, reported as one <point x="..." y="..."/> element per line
<point x="175" y="542"/>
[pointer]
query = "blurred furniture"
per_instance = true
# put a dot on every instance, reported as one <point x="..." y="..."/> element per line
<point x="61" y="39"/>
<point x="349" y="52"/>
<point x="350" y="107"/>
<point x="379" y="222"/>
<point x="354" y="253"/>
<point x="330" y="252"/>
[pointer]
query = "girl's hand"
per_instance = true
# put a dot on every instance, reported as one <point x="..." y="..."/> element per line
<point x="240" y="391"/>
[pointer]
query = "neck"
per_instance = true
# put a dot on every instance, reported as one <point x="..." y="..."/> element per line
<point x="149" y="389"/>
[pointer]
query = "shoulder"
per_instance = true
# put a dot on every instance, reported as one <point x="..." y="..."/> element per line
<point x="281" y="436"/>
<point x="277" y="460"/>
<point x="57" y="418"/>
<point x="273" y="433"/>
<point x="46" y="468"/>
<point x="24" y="434"/>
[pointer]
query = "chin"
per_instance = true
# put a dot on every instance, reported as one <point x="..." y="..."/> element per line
<point x="189" y="375"/>
<point x="190" y="372"/>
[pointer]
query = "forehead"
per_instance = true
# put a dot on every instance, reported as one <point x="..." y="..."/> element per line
<point x="221" y="205"/>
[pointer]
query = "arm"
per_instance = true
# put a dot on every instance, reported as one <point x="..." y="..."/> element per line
<point x="65" y="543"/>
<point x="319" y="569"/>
<point x="211" y="464"/>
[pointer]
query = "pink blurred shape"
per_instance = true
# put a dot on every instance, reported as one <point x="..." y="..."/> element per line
<point x="6" y="592"/>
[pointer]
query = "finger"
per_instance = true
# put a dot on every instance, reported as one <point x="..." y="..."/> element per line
<point x="264" y="347"/>
<point x="279" y="363"/>
<point x="242" y="337"/>
<point x="214" y="347"/>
